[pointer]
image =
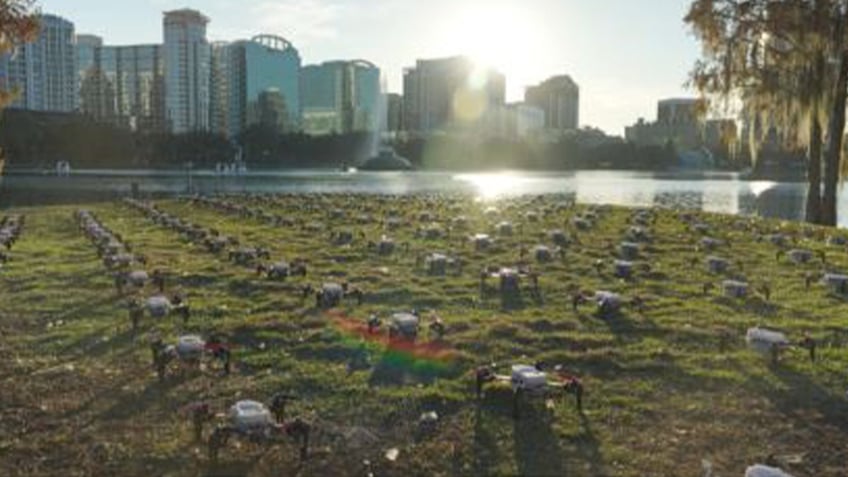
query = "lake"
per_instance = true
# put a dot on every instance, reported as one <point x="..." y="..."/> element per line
<point x="713" y="192"/>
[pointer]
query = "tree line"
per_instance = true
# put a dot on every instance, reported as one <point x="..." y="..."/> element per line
<point x="38" y="140"/>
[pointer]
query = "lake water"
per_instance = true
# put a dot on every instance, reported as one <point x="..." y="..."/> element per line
<point x="713" y="192"/>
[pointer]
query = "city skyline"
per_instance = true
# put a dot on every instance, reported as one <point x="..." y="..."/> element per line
<point x="620" y="81"/>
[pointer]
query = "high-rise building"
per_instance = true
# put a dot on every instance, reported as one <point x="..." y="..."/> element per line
<point x="410" y="100"/>
<point x="450" y="92"/>
<point x="122" y="85"/>
<point x="44" y="72"/>
<point x="517" y="120"/>
<point x="86" y="51"/>
<point x="367" y="99"/>
<point x="187" y="71"/>
<point x="341" y="97"/>
<point x="270" y="110"/>
<point x="559" y="98"/>
<point x="394" y="112"/>
<point x="250" y="76"/>
<point x="677" y="124"/>
<point x="320" y="95"/>
<point x="226" y="108"/>
<point x="86" y="56"/>
<point x="677" y="111"/>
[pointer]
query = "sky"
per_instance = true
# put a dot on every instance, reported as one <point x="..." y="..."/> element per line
<point x="624" y="54"/>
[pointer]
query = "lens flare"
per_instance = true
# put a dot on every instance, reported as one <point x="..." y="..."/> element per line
<point x="502" y="34"/>
<point x="469" y="103"/>
<point x="431" y="358"/>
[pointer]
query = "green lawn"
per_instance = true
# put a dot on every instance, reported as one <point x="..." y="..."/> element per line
<point x="666" y="387"/>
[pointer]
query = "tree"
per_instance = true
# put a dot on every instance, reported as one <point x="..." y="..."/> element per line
<point x="836" y="130"/>
<point x="775" y="58"/>
<point x="18" y="25"/>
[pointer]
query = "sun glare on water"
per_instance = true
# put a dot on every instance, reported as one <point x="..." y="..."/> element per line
<point x="493" y="186"/>
<point x="758" y="187"/>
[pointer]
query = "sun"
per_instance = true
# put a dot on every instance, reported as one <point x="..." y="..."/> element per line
<point x="501" y="35"/>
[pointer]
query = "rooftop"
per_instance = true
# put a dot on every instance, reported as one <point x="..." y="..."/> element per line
<point x="185" y="15"/>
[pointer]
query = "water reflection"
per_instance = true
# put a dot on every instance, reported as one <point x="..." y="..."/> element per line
<point x="723" y="193"/>
<point x="714" y="192"/>
<point x="785" y="202"/>
<point x="492" y="186"/>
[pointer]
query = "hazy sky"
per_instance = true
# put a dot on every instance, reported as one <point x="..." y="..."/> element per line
<point x="625" y="54"/>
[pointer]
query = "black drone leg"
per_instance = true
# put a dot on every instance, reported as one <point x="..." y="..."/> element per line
<point x="516" y="398"/>
<point x="217" y="440"/>
<point x="304" y="447"/>
<point x="160" y="370"/>
<point x="578" y="397"/>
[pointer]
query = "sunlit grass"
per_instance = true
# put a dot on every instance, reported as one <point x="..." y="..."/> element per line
<point x="665" y="388"/>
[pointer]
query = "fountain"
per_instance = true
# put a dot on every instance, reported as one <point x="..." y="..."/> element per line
<point x="384" y="157"/>
<point x="386" y="160"/>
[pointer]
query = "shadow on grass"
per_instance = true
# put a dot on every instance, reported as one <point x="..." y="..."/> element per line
<point x="398" y="369"/>
<point x="129" y="405"/>
<point x="153" y="465"/>
<point x="229" y="469"/>
<point x="803" y="394"/>
<point x="588" y="448"/>
<point x="485" y="448"/>
<point x="243" y="288"/>
<point x="627" y="329"/>
<point x="89" y="307"/>
<point x="813" y="411"/>
<point x="393" y="296"/>
<point x="535" y="444"/>
<point x="122" y="341"/>
<point x="537" y="448"/>
<point x="658" y="369"/>
<point x="197" y="280"/>
<point x="92" y="402"/>
<point x="754" y="305"/>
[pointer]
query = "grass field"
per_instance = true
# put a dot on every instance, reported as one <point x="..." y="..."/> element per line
<point x="667" y="386"/>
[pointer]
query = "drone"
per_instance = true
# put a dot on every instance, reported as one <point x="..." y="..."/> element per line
<point x="509" y="280"/>
<point x="282" y="270"/>
<point x="331" y="294"/>
<point x="160" y="306"/>
<point x="531" y="381"/>
<point x="247" y="256"/>
<point x="406" y="326"/>
<point x="256" y="423"/>
<point x="134" y="279"/>
<point x="774" y="343"/>
<point x="188" y="352"/>
<point x="608" y="304"/>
